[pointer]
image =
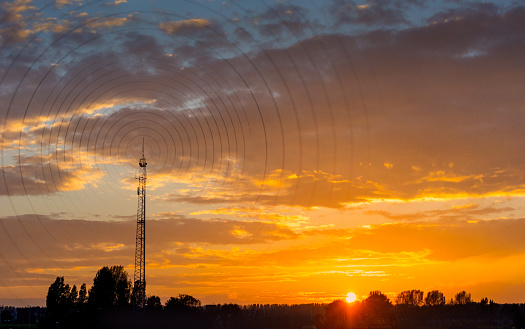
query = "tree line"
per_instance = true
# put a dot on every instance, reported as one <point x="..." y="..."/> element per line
<point x="414" y="309"/>
<point x="110" y="294"/>
<point x="434" y="298"/>
<point x="108" y="304"/>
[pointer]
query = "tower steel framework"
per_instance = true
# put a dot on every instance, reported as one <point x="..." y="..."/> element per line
<point x="139" y="286"/>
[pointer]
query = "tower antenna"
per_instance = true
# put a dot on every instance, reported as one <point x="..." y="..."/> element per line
<point x="139" y="286"/>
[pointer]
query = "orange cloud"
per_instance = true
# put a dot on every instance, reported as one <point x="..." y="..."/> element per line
<point x="256" y="213"/>
<point x="61" y="3"/>
<point x="117" y="2"/>
<point x="15" y="9"/>
<point x="41" y="174"/>
<point x="441" y="176"/>
<point x="463" y="213"/>
<point x="51" y="25"/>
<point x="185" y="26"/>
<point x="108" y="22"/>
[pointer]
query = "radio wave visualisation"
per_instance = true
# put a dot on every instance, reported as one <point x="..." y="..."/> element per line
<point x="296" y="150"/>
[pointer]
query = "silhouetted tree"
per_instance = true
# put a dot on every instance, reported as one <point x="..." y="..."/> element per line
<point x="111" y="289"/>
<point x="461" y="298"/>
<point x="434" y="298"/>
<point x="58" y="299"/>
<point x="82" y="295"/>
<point x="60" y="302"/>
<point x="378" y="306"/>
<point x="230" y="309"/>
<point x="410" y="297"/>
<point x="377" y="298"/>
<point x="153" y="304"/>
<point x="183" y="303"/>
<point x="73" y="296"/>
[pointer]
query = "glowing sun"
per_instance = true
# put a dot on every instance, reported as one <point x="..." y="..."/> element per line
<point x="350" y="297"/>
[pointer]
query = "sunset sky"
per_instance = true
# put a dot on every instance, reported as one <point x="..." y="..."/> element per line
<point x="297" y="150"/>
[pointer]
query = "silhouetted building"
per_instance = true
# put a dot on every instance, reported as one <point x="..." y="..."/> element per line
<point x="22" y="315"/>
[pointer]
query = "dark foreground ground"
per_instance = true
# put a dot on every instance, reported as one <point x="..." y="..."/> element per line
<point x="336" y="315"/>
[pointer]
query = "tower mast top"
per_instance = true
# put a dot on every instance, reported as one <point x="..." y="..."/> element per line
<point x="142" y="161"/>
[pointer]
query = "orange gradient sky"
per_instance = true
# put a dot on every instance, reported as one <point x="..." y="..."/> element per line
<point x="297" y="150"/>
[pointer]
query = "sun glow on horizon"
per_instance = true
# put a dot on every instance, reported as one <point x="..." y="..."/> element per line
<point x="351" y="297"/>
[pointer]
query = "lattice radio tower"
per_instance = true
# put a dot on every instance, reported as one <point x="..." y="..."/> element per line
<point x="139" y="287"/>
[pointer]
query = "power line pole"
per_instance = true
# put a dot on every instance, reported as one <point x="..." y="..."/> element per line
<point x="139" y="287"/>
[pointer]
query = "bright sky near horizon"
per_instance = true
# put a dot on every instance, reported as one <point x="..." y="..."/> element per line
<point x="297" y="150"/>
